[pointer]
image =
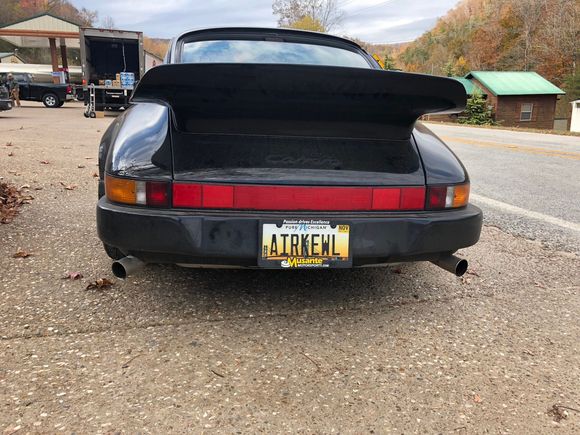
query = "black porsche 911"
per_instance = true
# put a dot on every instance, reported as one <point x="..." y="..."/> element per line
<point x="278" y="148"/>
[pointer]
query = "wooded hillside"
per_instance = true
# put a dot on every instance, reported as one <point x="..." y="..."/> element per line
<point x="15" y="10"/>
<point x="525" y="35"/>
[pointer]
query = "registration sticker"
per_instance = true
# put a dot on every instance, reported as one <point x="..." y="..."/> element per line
<point x="304" y="243"/>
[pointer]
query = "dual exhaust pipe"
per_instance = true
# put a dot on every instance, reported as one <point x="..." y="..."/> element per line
<point x="128" y="265"/>
<point x="451" y="263"/>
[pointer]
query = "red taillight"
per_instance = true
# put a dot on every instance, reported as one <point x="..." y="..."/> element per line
<point x="157" y="194"/>
<point x="253" y="197"/>
<point x="436" y="197"/>
<point x="68" y="90"/>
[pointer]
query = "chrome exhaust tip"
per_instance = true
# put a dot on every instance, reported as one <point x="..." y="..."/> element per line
<point x="126" y="266"/>
<point x="451" y="263"/>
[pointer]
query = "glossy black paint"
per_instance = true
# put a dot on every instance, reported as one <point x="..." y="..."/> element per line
<point x="441" y="165"/>
<point x="297" y="100"/>
<point x="138" y="144"/>
<point x="231" y="238"/>
<point x="223" y="106"/>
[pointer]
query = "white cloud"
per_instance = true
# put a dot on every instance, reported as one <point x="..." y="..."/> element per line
<point x="369" y="20"/>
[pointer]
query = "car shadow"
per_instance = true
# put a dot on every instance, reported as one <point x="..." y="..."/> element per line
<point x="218" y="293"/>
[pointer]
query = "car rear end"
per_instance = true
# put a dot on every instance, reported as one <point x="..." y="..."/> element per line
<point x="5" y="101"/>
<point x="281" y="166"/>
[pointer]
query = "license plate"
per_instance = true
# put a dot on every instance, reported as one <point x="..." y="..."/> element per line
<point x="304" y="243"/>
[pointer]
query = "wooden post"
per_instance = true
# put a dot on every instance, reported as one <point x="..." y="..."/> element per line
<point x="64" y="58"/>
<point x="53" y="58"/>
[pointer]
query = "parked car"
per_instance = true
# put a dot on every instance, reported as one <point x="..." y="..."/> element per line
<point x="5" y="102"/>
<point x="279" y="148"/>
<point x="50" y="94"/>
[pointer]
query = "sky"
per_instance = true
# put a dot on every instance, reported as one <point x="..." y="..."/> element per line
<point x="377" y="21"/>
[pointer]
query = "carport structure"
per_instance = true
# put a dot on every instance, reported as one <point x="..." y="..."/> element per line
<point x="43" y="31"/>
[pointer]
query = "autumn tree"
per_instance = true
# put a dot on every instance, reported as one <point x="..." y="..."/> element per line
<point x="389" y="62"/>
<point x="308" y="23"/>
<point x="108" y="22"/>
<point x="14" y="10"/>
<point x="322" y="15"/>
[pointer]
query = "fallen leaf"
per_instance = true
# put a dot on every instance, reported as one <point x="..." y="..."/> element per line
<point x="537" y="284"/>
<point x="477" y="398"/>
<point x="24" y="186"/>
<point x="68" y="186"/>
<point x="73" y="276"/>
<point x="88" y="158"/>
<point x="80" y="166"/>
<point x="10" y="154"/>
<point x="8" y="144"/>
<point x="21" y="253"/>
<point x="96" y="174"/>
<point x="11" y="198"/>
<point x="38" y="188"/>
<point x="558" y="413"/>
<point x="45" y="162"/>
<point x="100" y="284"/>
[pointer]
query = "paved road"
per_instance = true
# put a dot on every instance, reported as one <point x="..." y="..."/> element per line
<point x="526" y="183"/>
<point x="171" y="350"/>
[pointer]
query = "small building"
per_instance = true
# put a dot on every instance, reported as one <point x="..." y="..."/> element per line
<point x="10" y="58"/>
<point x="151" y="60"/>
<point x="519" y="98"/>
<point x="575" y="123"/>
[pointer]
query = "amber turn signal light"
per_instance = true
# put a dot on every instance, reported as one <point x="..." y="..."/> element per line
<point x="443" y="197"/>
<point x="127" y="191"/>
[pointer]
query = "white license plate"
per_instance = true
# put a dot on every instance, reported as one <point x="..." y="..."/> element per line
<point x="304" y="243"/>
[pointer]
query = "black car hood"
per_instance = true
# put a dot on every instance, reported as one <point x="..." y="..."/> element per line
<point x="297" y="100"/>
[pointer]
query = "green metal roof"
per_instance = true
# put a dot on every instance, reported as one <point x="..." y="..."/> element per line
<point x="515" y="83"/>
<point x="470" y="88"/>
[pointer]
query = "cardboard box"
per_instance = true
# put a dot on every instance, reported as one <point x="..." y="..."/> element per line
<point x="99" y="114"/>
<point x="116" y="83"/>
<point x="118" y="77"/>
<point x="101" y="83"/>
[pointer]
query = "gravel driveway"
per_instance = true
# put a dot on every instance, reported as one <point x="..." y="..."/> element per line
<point x="409" y="349"/>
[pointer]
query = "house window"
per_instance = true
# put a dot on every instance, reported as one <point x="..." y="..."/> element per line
<point x="526" y="112"/>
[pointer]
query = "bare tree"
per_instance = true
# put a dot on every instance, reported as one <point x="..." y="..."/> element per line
<point x="108" y="22"/>
<point x="325" y="12"/>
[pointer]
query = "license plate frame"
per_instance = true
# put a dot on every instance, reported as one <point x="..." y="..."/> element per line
<point x="281" y="255"/>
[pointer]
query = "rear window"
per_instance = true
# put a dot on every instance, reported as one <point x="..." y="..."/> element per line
<point x="246" y="51"/>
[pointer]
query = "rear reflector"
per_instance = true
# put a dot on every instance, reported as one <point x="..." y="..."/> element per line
<point x="253" y="197"/>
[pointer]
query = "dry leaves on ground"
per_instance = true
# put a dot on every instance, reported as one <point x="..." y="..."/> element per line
<point x="45" y="162"/>
<point x="21" y="253"/>
<point x="11" y="198"/>
<point x="100" y="284"/>
<point x="68" y="186"/>
<point x="73" y="276"/>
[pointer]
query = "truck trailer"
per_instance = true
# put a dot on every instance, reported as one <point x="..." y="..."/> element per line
<point x="112" y="63"/>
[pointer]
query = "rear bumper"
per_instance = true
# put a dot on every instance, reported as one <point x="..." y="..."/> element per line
<point x="231" y="238"/>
